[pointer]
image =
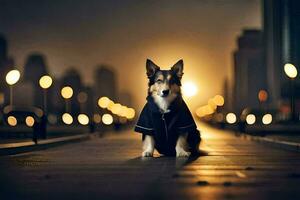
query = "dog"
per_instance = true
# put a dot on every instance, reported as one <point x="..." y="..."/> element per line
<point x="165" y="122"/>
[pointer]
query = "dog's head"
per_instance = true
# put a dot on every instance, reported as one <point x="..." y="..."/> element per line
<point x="164" y="83"/>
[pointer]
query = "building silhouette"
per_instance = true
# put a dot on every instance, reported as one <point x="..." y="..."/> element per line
<point x="35" y="67"/>
<point x="249" y="70"/>
<point x="3" y="49"/>
<point x="72" y="78"/>
<point x="227" y="95"/>
<point x="282" y="45"/>
<point x="105" y="82"/>
<point x="6" y="64"/>
<point x="125" y="98"/>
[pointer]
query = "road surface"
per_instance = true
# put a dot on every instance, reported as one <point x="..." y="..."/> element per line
<point x="111" y="168"/>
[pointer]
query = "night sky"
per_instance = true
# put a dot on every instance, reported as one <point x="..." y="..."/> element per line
<point x="124" y="33"/>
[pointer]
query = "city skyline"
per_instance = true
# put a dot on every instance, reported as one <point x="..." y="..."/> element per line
<point x="114" y="36"/>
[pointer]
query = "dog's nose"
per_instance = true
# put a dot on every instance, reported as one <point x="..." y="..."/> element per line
<point x="165" y="92"/>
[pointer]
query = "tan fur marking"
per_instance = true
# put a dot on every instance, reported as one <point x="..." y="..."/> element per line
<point x="175" y="88"/>
<point x="160" y="76"/>
<point x="169" y="77"/>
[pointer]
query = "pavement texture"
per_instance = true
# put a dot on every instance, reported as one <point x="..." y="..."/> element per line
<point x="230" y="167"/>
<point x="11" y="148"/>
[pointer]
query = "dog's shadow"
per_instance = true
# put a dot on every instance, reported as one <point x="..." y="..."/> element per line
<point x="159" y="161"/>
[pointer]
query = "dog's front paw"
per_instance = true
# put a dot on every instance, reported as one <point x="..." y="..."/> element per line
<point x="182" y="153"/>
<point x="147" y="154"/>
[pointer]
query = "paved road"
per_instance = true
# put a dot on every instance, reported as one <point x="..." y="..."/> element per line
<point x="111" y="168"/>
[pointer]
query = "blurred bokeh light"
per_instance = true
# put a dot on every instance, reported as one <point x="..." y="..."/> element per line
<point x="231" y="118"/>
<point x="83" y="119"/>
<point x="67" y="118"/>
<point x="219" y="100"/>
<point x="290" y="70"/>
<point x="82" y="97"/>
<point x="250" y="119"/>
<point x="107" y="119"/>
<point x="12" y="121"/>
<point x="12" y="77"/>
<point x="67" y="92"/>
<point x="45" y="82"/>
<point x="104" y="102"/>
<point x="29" y="121"/>
<point x="262" y="95"/>
<point x="189" y="89"/>
<point x="267" y="119"/>
<point x="97" y="118"/>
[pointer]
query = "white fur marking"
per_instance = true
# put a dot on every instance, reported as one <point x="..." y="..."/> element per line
<point x="164" y="102"/>
<point x="148" y="146"/>
<point x="182" y="146"/>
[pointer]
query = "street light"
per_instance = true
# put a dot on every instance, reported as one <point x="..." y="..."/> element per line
<point x="231" y="118"/>
<point x="67" y="93"/>
<point x="12" y="121"/>
<point x="267" y="119"/>
<point x="45" y="82"/>
<point x="12" y="77"/>
<point x="291" y="72"/>
<point x="107" y="119"/>
<point x="103" y="102"/>
<point x="67" y="118"/>
<point x="250" y="119"/>
<point x="83" y="119"/>
<point x="29" y="121"/>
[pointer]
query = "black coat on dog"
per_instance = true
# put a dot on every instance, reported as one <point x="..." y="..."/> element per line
<point x="166" y="127"/>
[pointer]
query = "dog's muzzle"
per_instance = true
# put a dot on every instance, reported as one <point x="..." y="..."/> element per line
<point x="165" y="93"/>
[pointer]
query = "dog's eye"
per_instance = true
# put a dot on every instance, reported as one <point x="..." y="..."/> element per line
<point x="159" y="81"/>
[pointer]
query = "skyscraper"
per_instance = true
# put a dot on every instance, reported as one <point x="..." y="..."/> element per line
<point x="105" y="83"/>
<point x="72" y="78"/>
<point x="6" y="64"/>
<point x="249" y="70"/>
<point x="282" y="43"/>
<point x="35" y="67"/>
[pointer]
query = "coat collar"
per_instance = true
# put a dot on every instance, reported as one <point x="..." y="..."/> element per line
<point x="175" y="105"/>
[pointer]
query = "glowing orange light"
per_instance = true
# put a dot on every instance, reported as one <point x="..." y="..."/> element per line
<point x="130" y="113"/>
<point x="212" y="104"/>
<point x="1" y="98"/>
<point x="104" y="102"/>
<point x="29" y="121"/>
<point x="219" y="100"/>
<point x="12" y="121"/>
<point x="262" y="95"/>
<point x="116" y="108"/>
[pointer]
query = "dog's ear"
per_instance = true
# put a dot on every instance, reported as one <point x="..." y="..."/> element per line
<point x="178" y="69"/>
<point x="151" y="68"/>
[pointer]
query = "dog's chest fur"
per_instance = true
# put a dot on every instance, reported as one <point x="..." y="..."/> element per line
<point x="164" y="103"/>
